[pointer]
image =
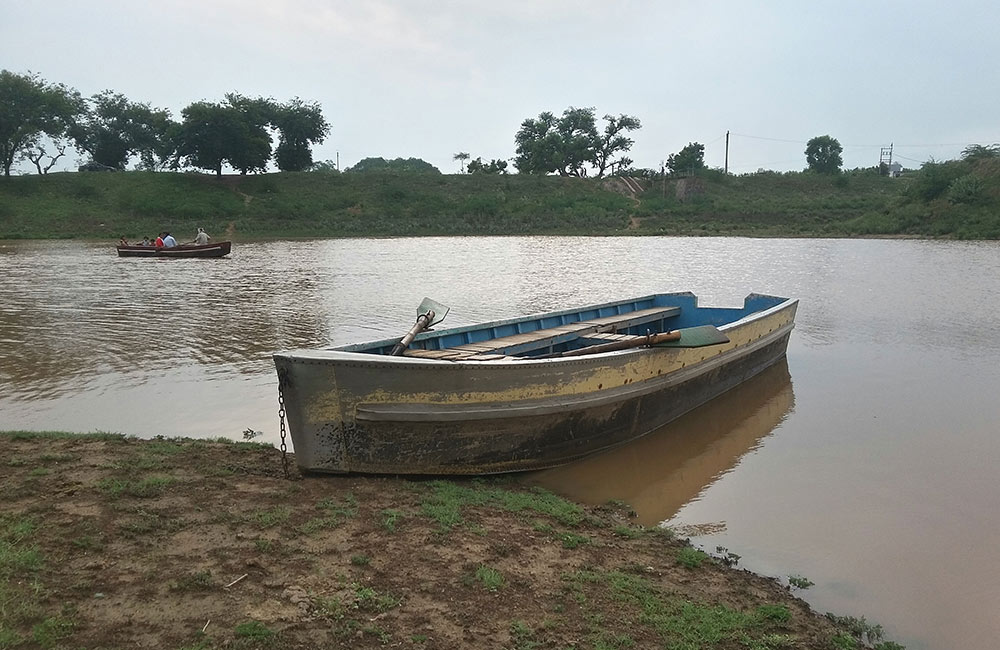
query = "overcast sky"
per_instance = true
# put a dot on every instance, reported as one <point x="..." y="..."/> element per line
<point x="428" y="79"/>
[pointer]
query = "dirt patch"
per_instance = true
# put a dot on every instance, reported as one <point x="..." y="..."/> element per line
<point x="170" y="544"/>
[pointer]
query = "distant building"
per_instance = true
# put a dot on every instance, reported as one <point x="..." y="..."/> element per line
<point x="895" y="170"/>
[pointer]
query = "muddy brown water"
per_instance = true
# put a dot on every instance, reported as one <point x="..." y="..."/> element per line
<point x="866" y="463"/>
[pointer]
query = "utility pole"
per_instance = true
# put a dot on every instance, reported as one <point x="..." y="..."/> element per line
<point x="885" y="159"/>
<point x="338" y="161"/>
<point x="727" y="152"/>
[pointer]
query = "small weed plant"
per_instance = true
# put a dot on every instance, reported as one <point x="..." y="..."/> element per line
<point x="491" y="579"/>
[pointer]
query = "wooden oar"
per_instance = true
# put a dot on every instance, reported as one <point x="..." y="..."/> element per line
<point x="689" y="337"/>
<point x="429" y="313"/>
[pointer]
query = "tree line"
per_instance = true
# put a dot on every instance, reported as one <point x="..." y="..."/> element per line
<point x="40" y="120"/>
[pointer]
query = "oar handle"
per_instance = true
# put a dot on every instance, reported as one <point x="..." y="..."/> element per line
<point x="639" y="341"/>
<point x="423" y="320"/>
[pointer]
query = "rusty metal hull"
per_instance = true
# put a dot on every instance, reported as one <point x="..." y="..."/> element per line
<point x="366" y="413"/>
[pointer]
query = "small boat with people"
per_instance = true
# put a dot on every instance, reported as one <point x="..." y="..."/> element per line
<point x="522" y="393"/>
<point x="166" y="246"/>
<point x="218" y="249"/>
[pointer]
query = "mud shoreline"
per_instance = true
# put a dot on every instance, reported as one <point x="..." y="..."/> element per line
<point x="112" y="542"/>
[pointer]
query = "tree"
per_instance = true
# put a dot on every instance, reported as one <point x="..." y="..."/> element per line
<point x="233" y="132"/>
<point x="538" y="145"/>
<point x="566" y="145"/>
<point x="461" y="157"/>
<point x="31" y="108"/>
<point x="613" y="140"/>
<point x="115" y="129"/>
<point x="407" y="165"/>
<point x="206" y="135"/>
<point x="299" y="125"/>
<point x="494" y="167"/>
<point x="823" y="155"/>
<point x="37" y="152"/>
<point x="325" y="166"/>
<point x="976" y="152"/>
<point x="690" y="159"/>
<point x="251" y="151"/>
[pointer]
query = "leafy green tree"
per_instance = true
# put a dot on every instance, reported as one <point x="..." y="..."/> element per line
<point x="613" y="141"/>
<point x="976" y="152"/>
<point x="234" y="132"/>
<point x="823" y="155"/>
<point x="562" y="145"/>
<point x="115" y="129"/>
<point x="688" y="160"/>
<point x="325" y="166"/>
<point x="494" y="167"/>
<point x="252" y="151"/>
<point x="461" y="157"/>
<point x="205" y="134"/>
<point x="31" y="108"/>
<point x="580" y="140"/>
<point x="299" y="125"/>
<point x="566" y="145"/>
<point x="934" y="179"/>
<point x="408" y="165"/>
<point x="538" y="145"/>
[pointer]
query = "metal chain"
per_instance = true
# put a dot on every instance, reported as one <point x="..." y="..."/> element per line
<point x="281" y="419"/>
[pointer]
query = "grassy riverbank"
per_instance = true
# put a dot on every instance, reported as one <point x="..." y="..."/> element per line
<point x="109" y="542"/>
<point x="956" y="199"/>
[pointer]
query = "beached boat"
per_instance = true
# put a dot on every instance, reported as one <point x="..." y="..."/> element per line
<point x="524" y="393"/>
<point x="218" y="249"/>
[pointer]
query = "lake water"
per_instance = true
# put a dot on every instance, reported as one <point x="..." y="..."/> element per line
<point x="866" y="463"/>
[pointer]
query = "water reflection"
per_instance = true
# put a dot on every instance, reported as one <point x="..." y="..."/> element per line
<point x="67" y="320"/>
<point x="666" y="469"/>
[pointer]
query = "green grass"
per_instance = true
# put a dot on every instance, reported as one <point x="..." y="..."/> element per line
<point x="21" y="592"/>
<point x="196" y="581"/>
<point x="954" y="200"/>
<point x="691" y="558"/>
<point x="391" y="518"/>
<point x="145" y="488"/>
<point x="334" y="513"/>
<point x="268" y="517"/>
<point x="445" y="502"/>
<point x="678" y="622"/>
<point x="490" y="578"/>
<point x="253" y="630"/>
<point x="369" y="599"/>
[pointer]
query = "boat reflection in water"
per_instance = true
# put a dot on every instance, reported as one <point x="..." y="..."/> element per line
<point x="660" y="472"/>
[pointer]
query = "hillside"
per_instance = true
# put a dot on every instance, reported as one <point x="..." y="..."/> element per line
<point x="958" y="200"/>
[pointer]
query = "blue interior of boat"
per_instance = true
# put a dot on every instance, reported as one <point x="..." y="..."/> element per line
<point x="559" y="331"/>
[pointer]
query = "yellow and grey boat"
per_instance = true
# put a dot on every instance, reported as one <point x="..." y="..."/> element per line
<point x="524" y="393"/>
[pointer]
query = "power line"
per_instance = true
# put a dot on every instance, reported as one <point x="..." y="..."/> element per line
<point x="945" y="144"/>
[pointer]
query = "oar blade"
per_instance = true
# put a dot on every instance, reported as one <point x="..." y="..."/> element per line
<point x="440" y="311"/>
<point x="696" y="337"/>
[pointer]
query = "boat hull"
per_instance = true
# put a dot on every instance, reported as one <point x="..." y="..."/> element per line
<point x="220" y="249"/>
<point x="350" y="412"/>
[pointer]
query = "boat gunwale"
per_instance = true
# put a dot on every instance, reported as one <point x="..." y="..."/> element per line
<point x="461" y="329"/>
<point x="354" y="358"/>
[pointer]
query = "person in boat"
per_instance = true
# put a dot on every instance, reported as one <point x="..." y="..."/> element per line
<point x="169" y="241"/>
<point x="145" y="241"/>
<point x="159" y="241"/>
<point x="201" y="239"/>
<point x="122" y="241"/>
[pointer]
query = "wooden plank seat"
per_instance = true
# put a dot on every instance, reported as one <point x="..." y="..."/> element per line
<point x="546" y="338"/>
